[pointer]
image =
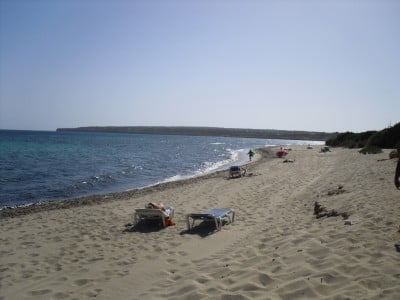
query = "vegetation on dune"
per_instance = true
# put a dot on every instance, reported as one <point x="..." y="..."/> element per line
<point x="371" y="142"/>
<point x="350" y="139"/>
<point x="388" y="138"/>
<point x="371" y="150"/>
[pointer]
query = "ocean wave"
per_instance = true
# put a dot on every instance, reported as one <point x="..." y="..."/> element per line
<point x="56" y="166"/>
<point x="235" y="156"/>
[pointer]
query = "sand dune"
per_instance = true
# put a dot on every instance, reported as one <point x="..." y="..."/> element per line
<point x="276" y="248"/>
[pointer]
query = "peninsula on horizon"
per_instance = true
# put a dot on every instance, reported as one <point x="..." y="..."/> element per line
<point x="209" y="131"/>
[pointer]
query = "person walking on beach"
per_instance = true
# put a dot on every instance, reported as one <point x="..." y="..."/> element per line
<point x="251" y="154"/>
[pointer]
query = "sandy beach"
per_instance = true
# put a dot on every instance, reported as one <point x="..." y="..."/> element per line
<point x="275" y="249"/>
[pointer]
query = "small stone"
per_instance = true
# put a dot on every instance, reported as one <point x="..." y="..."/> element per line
<point x="348" y="222"/>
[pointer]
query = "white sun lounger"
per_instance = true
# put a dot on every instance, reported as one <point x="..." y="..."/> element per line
<point x="214" y="214"/>
<point x="153" y="214"/>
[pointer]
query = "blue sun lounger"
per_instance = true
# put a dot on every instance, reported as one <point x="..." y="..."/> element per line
<point x="214" y="214"/>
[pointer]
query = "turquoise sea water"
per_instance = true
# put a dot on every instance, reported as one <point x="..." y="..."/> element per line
<point x="52" y="166"/>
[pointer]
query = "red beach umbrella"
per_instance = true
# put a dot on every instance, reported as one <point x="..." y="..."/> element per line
<point x="281" y="153"/>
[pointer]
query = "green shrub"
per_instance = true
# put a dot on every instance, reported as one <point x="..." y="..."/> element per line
<point x="371" y="150"/>
<point x="370" y="141"/>
<point x="350" y="139"/>
<point x="387" y="138"/>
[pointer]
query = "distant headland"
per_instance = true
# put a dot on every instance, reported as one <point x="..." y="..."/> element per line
<point x="209" y="131"/>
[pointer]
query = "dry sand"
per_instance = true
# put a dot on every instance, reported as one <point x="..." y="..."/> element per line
<point x="276" y="248"/>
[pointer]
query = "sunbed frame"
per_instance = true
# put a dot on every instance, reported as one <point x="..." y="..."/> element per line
<point x="152" y="214"/>
<point x="216" y="214"/>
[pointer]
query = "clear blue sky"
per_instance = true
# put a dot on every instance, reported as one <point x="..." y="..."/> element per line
<point x="303" y="65"/>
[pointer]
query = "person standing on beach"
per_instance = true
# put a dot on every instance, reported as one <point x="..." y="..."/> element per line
<point x="397" y="174"/>
<point x="251" y="154"/>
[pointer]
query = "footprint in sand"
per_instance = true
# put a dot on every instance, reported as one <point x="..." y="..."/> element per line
<point x="40" y="292"/>
<point x="203" y="280"/>
<point x="171" y="261"/>
<point x="92" y="294"/>
<point x="60" y="296"/>
<point x="81" y="282"/>
<point x="264" y="279"/>
<point x="123" y="273"/>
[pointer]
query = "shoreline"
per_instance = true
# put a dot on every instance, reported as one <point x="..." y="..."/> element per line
<point x="11" y="212"/>
<point x="276" y="246"/>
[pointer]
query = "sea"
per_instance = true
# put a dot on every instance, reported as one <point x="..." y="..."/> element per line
<point x="40" y="166"/>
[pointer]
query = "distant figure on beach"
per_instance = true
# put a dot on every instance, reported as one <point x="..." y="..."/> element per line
<point x="397" y="175"/>
<point x="251" y="154"/>
<point x="281" y="153"/>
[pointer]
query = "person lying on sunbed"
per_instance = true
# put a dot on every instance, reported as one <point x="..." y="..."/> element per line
<point x="166" y="211"/>
<point x="158" y="206"/>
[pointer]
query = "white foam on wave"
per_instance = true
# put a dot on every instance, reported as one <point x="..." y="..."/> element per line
<point x="277" y="143"/>
<point x="24" y="205"/>
<point x="236" y="157"/>
<point x="211" y="167"/>
<point x="174" y="178"/>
